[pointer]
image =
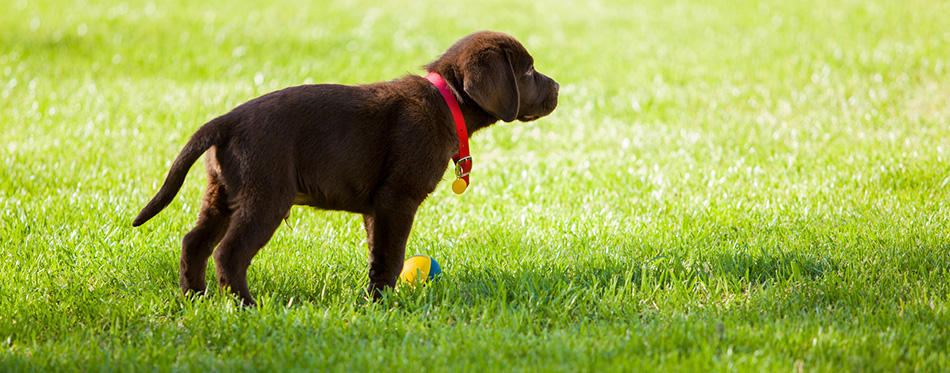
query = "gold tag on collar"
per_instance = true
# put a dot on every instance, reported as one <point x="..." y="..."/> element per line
<point x="459" y="186"/>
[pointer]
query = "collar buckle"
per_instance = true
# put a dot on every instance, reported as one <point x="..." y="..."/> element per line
<point x="460" y="170"/>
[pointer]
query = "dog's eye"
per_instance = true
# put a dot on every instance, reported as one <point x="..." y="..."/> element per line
<point x="530" y="71"/>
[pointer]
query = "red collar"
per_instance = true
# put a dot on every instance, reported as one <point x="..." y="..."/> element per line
<point x="463" y="160"/>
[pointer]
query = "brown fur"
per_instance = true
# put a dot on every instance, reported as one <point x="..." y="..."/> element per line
<point x="377" y="150"/>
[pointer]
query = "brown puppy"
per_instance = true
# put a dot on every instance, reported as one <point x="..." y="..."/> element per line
<point x="376" y="149"/>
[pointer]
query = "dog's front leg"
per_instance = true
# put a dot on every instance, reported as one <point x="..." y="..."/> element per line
<point x="387" y="231"/>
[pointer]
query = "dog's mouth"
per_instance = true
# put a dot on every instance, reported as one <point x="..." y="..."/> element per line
<point x="536" y="115"/>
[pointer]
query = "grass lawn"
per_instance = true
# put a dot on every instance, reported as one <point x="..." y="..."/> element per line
<point x="725" y="185"/>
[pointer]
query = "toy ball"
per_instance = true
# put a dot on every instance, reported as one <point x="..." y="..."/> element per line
<point x="420" y="268"/>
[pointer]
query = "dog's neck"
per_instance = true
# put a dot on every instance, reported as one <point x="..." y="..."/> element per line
<point x="476" y="118"/>
<point x="463" y="160"/>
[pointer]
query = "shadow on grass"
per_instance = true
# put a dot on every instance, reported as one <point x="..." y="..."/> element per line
<point x="661" y="272"/>
<point x="552" y="283"/>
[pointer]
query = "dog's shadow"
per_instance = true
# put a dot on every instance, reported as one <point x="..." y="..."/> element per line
<point x="543" y="284"/>
<point x="603" y="277"/>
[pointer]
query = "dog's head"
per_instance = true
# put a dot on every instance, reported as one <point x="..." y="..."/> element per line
<point x="497" y="73"/>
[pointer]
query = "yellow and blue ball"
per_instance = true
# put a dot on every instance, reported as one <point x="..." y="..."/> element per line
<point x="420" y="268"/>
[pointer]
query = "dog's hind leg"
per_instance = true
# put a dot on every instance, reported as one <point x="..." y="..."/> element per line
<point x="253" y="221"/>
<point x="198" y="244"/>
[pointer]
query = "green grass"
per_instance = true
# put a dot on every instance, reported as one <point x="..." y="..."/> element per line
<point x="725" y="185"/>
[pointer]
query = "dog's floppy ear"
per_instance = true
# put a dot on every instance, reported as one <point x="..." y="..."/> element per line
<point x="490" y="80"/>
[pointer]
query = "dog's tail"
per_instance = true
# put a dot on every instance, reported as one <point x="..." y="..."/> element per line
<point x="210" y="134"/>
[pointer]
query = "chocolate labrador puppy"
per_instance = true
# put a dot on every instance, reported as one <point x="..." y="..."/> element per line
<point x="377" y="150"/>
